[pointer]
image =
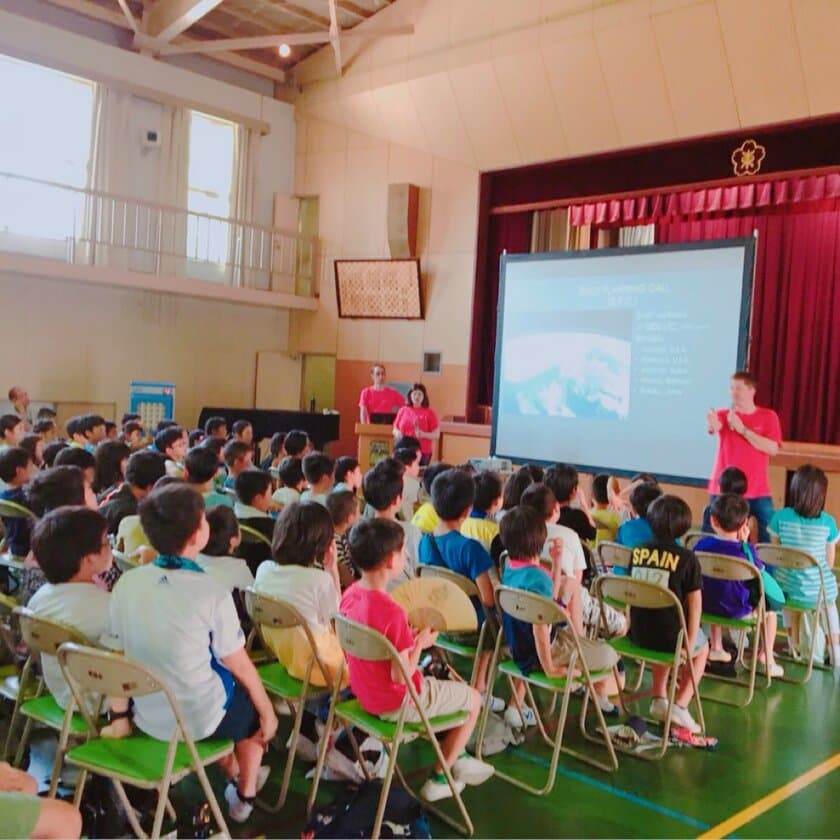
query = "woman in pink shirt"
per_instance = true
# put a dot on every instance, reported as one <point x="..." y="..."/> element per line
<point x="416" y="419"/>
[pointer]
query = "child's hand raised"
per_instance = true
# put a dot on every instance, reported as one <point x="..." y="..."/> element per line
<point x="426" y="637"/>
<point x="555" y="549"/>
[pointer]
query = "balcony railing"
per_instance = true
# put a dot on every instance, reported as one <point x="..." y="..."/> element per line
<point x="90" y="227"/>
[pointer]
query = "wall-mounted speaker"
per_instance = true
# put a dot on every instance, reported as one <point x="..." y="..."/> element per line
<point x="403" y="202"/>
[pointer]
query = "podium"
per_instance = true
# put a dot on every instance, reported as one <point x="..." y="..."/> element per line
<point x="375" y="443"/>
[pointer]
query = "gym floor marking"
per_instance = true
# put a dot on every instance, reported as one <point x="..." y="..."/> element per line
<point x="772" y="799"/>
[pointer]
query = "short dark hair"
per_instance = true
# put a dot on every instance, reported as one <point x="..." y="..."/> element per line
<point x="201" y="464"/>
<point x="731" y="511"/>
<point x="453" y="493"/>
<point x="302" y="535"/>
<point x="108" y="460"/>
<point x="432" y="472"/>
<point x="537" y="472"/>
<point x="64" y="537"/>
<point x="170" y="515"/>
<point x="746" y="377"/>
<point x="290" y="471"/>
<point x="488" y="488"/>
<point x="224" y="526"/>
<point x="372" y="541"/>
<point x="30" y="444"/>
<point x="12" y="459"/>
<point x="406" y="455"/>
<point x="217" y="445"/>
<point x="54" y="488"/>
<point x="75" y="456"/>
<point x="601" y="488"/>
<point x="239" y="426"/>
<point x="73" y="426"/>
<point x="733" y="480"/>
<point x="808" y="489"/>
<point x="642" y="497"/>
<point x="167" y="437"/>
<point x="418" y="386"/>
<point x="43" y="426"/>
<point x="195" y="437"/>
<point x="8" y="422"/>
<point x="343" y="465"/>
<point x="646" y="477"/>
<point x="523" y="532"/>
<point x="669" y="517"/>
<point x="251" y="483"/>
<point x="296" y="441"/>
<point x="88" y="422"/>
<point x="234" y="450"/>
<point x="276" y="443"/>
<point x="516" y="485"/>
<point x="213" y="424"/>
<point x="407" y="442"/>
<point x="45" y="413"/>
<point x="129" y="417"/>
<point x="164" y="424"/>
<point x="540" y="498"/>
<point x="144" y="469"/>
<point x="342" y="506"/>
<point x="110" y="426"/>
<point x="383" y="483"/>
<point x="562" y="479"/>
<point x="131" y="427"/>
<point x="52" y="449"/>
<point x="316" y="466"/>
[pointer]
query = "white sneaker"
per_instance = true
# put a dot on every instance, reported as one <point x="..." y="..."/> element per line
<point x="433" y="790"/>
<point x="776" y="670"/>
<point x="238" y="810"/>
<point x="658" y="708"/>
<point x="496" y="703"/>
<point x="471" y="771"/>
<point x="515" y="721"/>
<point x="682" y="717"/>
<point x="720" y="656"/>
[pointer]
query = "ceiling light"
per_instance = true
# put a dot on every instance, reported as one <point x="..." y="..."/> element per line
<point x="284" y="50"/>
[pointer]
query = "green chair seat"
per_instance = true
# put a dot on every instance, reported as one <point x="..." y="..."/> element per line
<point x="141" y="759"/>
<point x="747" y="623"/>
<point x="538" y="678"/>
<point x="451" y="645"/>
<point x="626" y="647"/>
<point x="46" y="710"/>
<point x="800" y="606"/>
<point x="385" y="730"/>
<point x="277" y="680"/>
<point x="615" y="603"/>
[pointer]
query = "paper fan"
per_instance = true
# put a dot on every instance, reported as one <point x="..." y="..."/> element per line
<point x="436" y="603"/>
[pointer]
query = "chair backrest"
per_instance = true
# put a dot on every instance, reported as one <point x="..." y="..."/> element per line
<point x="14" y="510"/>
<point x="106" y="673"/>
<point x="785" y="556"/>
<point x="41" y="635"/>
<point x="693" y="537"/>
<point x="724" y="567"/>
<point x="613" y="554"/>
<point x="463" y="583"/>
<point x="363" y="642"/>
<point x="253" y="536"/>
<point x="529" y="607"/>
<point x="123" y="562"/>
<point x="636" y="593"/>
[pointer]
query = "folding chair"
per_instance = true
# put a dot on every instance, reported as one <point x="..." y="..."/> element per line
<point x="123" y="562"/>
<point x="787" y="557"/>
<point x="535" y="610"/>
<point x="275" y="613"/>
<point x="366" y="643"/>
<point x="447" y="644"/>
<point x="613" y="554"/>
<point x="253" y="536"/>
<point x="43" y="638"/>
<point x="693" y="537"/>
<point x="723" y="567"/>
<point x="16" y="683"/>
<point x="641" y="593"/>
<point x="138" y="759"/>
<point x="13" y="510"/>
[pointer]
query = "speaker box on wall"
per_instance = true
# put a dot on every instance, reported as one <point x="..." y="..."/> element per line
<point x="403" y="201"/>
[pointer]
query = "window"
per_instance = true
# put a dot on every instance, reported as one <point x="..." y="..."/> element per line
<point x="46" y="135"/>
<point x="210" y="182"/>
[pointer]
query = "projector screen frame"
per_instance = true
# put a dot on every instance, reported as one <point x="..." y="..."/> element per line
<point x="744" y="330"/>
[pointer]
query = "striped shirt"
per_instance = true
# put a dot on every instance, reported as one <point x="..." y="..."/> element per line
<point x="813" y="536"/>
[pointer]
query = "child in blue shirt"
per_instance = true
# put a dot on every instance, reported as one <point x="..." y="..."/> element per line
<point x="637" y="531"/>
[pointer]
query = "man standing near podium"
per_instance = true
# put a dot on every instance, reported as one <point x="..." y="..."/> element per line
<point x="378" y="403"/>
<point x="749" y="437"/>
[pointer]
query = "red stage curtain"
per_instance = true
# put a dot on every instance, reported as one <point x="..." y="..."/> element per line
<point x="795" y="345"/>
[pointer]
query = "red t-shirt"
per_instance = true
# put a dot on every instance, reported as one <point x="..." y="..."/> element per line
<point x="371" y="681"/>
<point x="426" y="419"/>
<point x="383" y="401"/>
<point x="735" y="451"/>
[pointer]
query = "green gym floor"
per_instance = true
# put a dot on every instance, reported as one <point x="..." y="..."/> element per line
<point x="775" y="773"/>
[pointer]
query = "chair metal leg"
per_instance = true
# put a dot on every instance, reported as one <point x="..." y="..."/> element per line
<point x="211" y="799"/>
<point x="322" y="751"/>
<point x="290" y="760"/>
<point x="129" y="810"/>
<point x="24" y="740"/>
<point x="393" y="749"/>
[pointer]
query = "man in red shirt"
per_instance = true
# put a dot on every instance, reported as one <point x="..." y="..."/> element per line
<point x="379" y="403"/>
<point x="749" y="437"/>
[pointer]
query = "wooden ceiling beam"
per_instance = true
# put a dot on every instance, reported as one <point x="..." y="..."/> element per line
<point x="335" y="36"/>
<point x="167" y="19"/>
<point x="354" y="10"/>
<point x="256" y="43"/>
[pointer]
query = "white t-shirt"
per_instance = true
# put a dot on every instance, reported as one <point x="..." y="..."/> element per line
<point x="413" y="535"/>
<point x="230" y="572"/>
<point x="285" y="496"/>
<point x="573" y="559"/>
<point x="82" y="606"/>
<point x="410" y="496"/>
<point x="309" y="590"/>
<point x="309" y="496"/>
<point x="180" y="623"/>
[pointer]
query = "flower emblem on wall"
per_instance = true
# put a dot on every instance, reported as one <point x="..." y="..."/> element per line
<point x="747" y="158"/>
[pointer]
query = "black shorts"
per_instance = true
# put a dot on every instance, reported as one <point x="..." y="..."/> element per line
<point x="240" y="720"/>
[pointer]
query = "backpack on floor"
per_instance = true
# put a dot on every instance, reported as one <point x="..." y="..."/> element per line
<point x="353" y="813"/>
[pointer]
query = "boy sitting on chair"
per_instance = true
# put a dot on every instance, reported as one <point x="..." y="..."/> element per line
<point x="377" y="550"/>
<point x="253" y="503"/>
<point x="164" y="615"/>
